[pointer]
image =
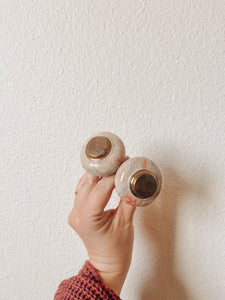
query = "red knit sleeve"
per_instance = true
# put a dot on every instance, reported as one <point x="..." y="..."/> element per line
<point x="86" y="285"/>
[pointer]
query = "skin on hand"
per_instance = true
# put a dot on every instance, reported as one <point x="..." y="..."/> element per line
<point x="107" y="235"/>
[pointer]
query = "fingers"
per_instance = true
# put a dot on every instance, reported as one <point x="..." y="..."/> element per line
<point x="84" y="187"/>
<point x="126" y="211"/>
<point x="100" y="194"/>
<point x="94" y="192"/>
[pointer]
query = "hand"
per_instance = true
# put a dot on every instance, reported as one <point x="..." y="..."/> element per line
<point x="107" y="235"/>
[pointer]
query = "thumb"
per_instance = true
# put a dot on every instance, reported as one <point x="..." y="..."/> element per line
<point x="126" y="211"/>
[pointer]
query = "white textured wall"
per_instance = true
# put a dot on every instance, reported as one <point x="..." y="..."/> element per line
<point x="152" y="72"/>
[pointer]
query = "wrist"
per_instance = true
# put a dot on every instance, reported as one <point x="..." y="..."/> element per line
<point x="114" y="281"/>
<point x="112" y="272"/>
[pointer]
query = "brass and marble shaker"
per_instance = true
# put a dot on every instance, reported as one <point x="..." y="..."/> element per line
<point x="138" y="181"/>
<point x="102" y="154"/>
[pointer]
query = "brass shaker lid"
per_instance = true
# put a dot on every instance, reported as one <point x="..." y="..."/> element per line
<point x="143" y="184"/>
<point x="98" y="147"/>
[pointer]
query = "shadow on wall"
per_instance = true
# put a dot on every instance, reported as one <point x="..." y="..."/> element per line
<point x="158" y="222"/>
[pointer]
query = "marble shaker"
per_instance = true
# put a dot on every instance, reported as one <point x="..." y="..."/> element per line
<point x="138" y="181"/>
<point x="102" y="154"/>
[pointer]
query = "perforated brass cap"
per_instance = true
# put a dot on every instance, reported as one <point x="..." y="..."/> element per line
<point x="143" y="184"/>
<point x="98" y="148"/>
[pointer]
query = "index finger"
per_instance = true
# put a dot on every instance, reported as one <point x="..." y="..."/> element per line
<point x="100" y="194"/>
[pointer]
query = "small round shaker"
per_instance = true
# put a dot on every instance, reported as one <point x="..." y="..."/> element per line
<point x="138" y="181"/>
<point x="102" y="154"/>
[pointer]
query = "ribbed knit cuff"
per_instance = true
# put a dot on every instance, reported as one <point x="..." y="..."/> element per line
<point x="86" y="285"/>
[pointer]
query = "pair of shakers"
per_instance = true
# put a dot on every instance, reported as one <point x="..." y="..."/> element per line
<point x="138" y="180"/>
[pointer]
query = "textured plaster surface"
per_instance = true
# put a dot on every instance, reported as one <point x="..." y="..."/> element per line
<point x="152" y="72"/>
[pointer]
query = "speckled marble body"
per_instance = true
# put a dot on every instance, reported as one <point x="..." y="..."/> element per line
<point x="125" y="172"/>
<point x="108" y="165"/>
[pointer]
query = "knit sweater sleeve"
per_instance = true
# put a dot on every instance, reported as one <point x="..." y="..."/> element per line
<point x="86" y="285"/>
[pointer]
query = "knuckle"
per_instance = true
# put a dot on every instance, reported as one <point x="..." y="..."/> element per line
<point x="76" y="220"/>
<point x="70" y="219"/>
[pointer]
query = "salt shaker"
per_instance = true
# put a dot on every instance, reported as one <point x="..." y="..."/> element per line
<point x="138" y="181"/>
<point x="102" y="154"/>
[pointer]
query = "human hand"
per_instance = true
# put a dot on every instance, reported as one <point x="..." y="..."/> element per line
<point x="107" y="235"/>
